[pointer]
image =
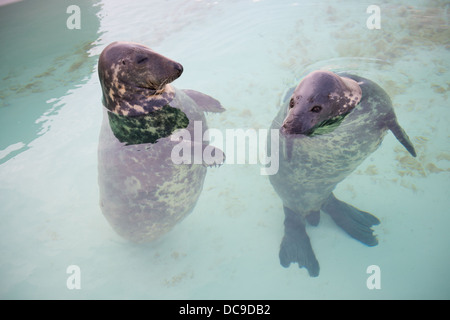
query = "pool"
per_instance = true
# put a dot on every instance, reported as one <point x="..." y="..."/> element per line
<point x="246" y="54"/>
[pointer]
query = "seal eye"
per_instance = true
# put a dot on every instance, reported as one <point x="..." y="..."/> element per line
<point x="142" y="59"/>
<point x="123" y="62"/>
<point x="291" y="103"/>
<point x="316" y="109"/>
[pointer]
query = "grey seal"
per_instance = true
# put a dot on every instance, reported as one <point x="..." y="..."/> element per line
<point x="328" y="125"/>
<point x="143" y="193"/>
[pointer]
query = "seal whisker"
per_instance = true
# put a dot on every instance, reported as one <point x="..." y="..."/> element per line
<point x="277" y="123"/>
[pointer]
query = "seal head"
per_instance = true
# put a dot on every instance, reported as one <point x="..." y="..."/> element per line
<point x="135" y="79"/>
<point x="320" y="102"/>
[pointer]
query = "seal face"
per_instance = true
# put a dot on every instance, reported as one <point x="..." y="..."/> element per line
<point x="321" y="99"/>
<point x="143" y="193"/>
<point x="320" y="148"/>
<point x="135" y="79"/>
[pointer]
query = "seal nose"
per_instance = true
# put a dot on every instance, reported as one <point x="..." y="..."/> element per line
<point x="179" y="68"/>
<point x="291" y="126"/>
<point x="286" y="128"/>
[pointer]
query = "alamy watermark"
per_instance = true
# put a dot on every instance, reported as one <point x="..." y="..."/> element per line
<point x="191" y="150"/>
<point x="374" y="280"/>
<point x="74" y="280"/>
<point x="374" y="20"/>
<point x="74" y="20"/>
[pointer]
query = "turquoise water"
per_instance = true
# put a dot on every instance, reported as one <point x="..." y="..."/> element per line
<point x="245" y="54"/>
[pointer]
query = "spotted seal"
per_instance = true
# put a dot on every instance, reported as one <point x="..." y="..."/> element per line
<point x="328" y="125"/>
<point x="143" y="193"/>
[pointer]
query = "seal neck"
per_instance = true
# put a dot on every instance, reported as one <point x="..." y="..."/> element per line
<point x="148" y="128"/>
<point x="136" y="101"/>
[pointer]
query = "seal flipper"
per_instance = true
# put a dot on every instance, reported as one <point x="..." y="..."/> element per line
<point x="296" y="246"/>
<point x="205" y="102"/>
<point x="212" y="156"/>
<point x="313" y="218"/>
<point x="355" y="222"/>
<point x="196" y="153"/>
<point x="401" y="136"/>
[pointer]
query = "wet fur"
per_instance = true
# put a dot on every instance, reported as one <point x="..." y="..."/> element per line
<point x="311" y="166"/>
<point x="143" y="194"/>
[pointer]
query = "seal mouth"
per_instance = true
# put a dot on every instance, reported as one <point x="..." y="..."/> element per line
<point x="288" y="130"/>
<point x="152" y="91"/>
<point x="178" y="69"/>
<point x="327" y="126"/>
<point x="293" y="125"/>
<point x="159" y="86"/>
<point x="324" y="127"/>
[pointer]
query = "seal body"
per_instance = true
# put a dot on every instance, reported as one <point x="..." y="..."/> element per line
<point x="317" y="153"/>
<point x="143" y="193"/>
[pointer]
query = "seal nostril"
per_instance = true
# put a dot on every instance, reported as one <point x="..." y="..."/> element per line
<point x="179" y="68"/>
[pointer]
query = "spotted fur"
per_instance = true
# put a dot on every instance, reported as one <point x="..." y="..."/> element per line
<point x="135" y="79"/>
<point x="312" y="166"/>
<point x="317" y="151"/>
<point x="143" y="194"/>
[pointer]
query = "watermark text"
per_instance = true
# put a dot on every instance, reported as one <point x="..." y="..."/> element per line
<point x="374" y="20"/>
<point x="374" y="280"/>
<point x="74" y="280"/>
<point x="242" y="147"/>
<point x="74" y="20"/>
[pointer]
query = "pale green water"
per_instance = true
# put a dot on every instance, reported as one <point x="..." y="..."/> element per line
<point x="245" y="54"/>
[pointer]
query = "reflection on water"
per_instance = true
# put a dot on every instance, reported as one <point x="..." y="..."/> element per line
<point x="41" y="59"/>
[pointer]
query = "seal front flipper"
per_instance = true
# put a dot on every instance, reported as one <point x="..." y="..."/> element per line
<point x="205" y="102"/>
<point x="355" y="222"/>
<point x="296" y="246"/>
<point x="313" y="218"/>
<point x="212" y="156"/>
<point x="192" y="152"/>
<point x="401" y="136"/>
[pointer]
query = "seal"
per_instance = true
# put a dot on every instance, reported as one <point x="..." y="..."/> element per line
<point x="143" y="193"/>
<point x="328" y="125"/>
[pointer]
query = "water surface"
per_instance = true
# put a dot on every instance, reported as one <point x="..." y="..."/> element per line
<point x="245" y="54"/>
